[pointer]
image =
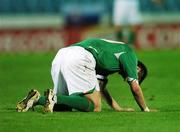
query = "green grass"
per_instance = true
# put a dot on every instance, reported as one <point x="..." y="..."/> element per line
<point x="21" y="72"/>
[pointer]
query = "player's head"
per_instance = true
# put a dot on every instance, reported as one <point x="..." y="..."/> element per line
<point x="142" y="71"/>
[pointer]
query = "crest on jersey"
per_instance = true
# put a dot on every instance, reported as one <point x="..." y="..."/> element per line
<point x="118" y="54"/>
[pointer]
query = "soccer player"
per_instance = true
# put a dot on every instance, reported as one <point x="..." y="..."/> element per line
<point x="103" y="80"/>
<point x="126" y="19"/>
<point x="74" y="70"/>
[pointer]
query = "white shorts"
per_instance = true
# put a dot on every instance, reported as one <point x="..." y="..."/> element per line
<point x="73" y="70"/>
<point x="126" y="12"/>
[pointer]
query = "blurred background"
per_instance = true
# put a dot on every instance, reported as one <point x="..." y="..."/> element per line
<point x="45" y="25"/>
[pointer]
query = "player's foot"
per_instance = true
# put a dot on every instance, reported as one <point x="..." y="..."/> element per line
<point x="48" y="107"/>
<point x="28" y="102"/>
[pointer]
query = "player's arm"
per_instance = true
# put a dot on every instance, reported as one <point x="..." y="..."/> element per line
<point x="108" y="98"/>
<point x="129" y="72"/>
<point x="138" y="95"/>
<point x="105" y="94"/>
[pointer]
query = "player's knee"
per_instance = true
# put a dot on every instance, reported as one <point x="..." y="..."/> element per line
<point x="96" y="100"/>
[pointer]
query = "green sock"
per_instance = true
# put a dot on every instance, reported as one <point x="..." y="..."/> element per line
<point x="42" y="100"/>
<point x="119" y="36"/>
<point x="77" y="102"/>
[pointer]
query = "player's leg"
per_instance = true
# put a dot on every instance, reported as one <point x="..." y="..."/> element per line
<point x="80" y="78"/>
<point x="57" y="107"/>
<point x="95" y="97"/>
<point x="42" y="100"/>
<point x="33" y="98"/>
<point x="58" y="81"/>
<point x="80" y="75"/>
<point x="76" y="101"/>
<point x="135" y="20"/>
<point x="119" y="19"/>
<point x="29" y="101"/>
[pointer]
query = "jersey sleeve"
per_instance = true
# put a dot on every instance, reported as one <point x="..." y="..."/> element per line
<point x="128" y="62"/>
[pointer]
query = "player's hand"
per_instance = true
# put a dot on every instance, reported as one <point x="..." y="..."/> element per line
<point x="116" y="107"/>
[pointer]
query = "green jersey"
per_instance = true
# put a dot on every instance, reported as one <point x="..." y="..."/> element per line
<point x="111" y="57"/>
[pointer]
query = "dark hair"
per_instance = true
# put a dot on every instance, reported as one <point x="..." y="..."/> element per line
<point x="143" y="73"/>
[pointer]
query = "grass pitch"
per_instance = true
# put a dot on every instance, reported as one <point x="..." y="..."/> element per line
<point x="21" y="72"/>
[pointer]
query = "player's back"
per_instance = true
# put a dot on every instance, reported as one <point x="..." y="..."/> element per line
<point x="106" y="52"/>
<point x="97" y="46"/>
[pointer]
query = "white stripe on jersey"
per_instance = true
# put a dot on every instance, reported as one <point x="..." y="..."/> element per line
<point x="93" y="48"/>
<point x="130" y="79"/>
<point x="112" y="41"/>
